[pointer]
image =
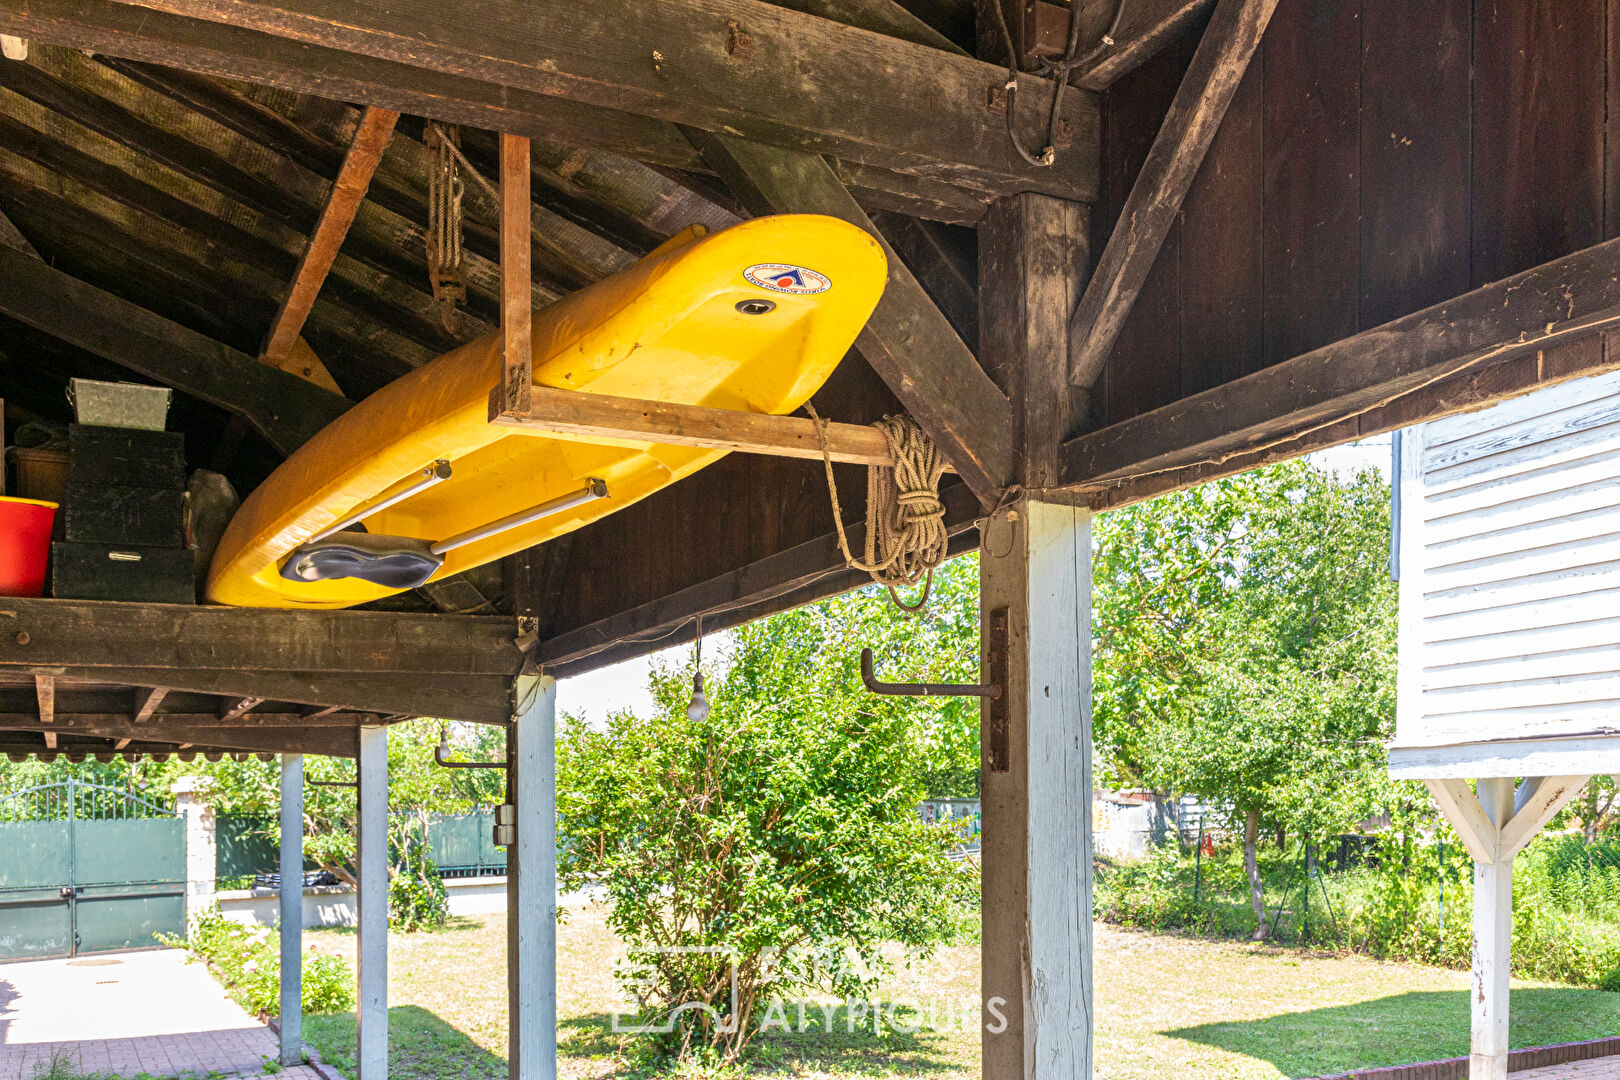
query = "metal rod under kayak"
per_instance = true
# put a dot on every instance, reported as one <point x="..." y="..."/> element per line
<point x="595" y="489"/>
<point x="436" y="473"/>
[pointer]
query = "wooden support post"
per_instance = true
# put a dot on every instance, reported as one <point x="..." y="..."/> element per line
<point x="1036" y="792"/>
<point x="1493" y="942"/>
<point x="292" y="909"/>
<point x="1033" y="255"/>
<point x="371" y="1011"/>
<point x="516" y="300"/>
<point x="531" y="880"/>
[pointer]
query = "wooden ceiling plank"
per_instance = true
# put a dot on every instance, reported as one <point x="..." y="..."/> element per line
<point x="862" y="96"/>
<point x="1569" y="299"/>
<point x="370" y="141"/>
<point x="283" y="408"/>
<point x="879" y="16"/>
<point x="1223" y="55"/>
<point x="598" y="416"/>
<point x="907" y="341"/>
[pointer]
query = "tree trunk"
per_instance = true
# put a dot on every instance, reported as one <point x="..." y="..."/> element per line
<point x="1251" y="863"/>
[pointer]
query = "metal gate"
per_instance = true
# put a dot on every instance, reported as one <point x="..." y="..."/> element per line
<point x="88" y="868"/>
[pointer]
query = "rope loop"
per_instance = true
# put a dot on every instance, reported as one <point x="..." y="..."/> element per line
<point x="905" y="519"/>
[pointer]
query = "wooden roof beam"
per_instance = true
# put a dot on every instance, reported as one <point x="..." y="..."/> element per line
<point x="12" y="237"/>
<point x="45" y="692"/>
<point x="1447" y="357"/>
<point x="479" y="698"/>
<point x="370" y="141"/>
<point x="899" y="116"/>
<point x="1147" y="27"/>
<point x="1223" y="55"/>
<point x="283" y="408"/>
<point x="598" y="416"/>
<point x="147" y="699"/>
<point x="324" y="738"/>
<point x="908" y="341"/>
<point x="101" y="635"/>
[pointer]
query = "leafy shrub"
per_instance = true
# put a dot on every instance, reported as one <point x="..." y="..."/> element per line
<point x="776" y="836"/>
<point x="1566" y="905"/>
<point x="417" y="898"/>
<point x="247" y="960"/>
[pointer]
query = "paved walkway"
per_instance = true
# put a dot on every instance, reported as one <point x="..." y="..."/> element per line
<point x="1605" y="1068"/>
<point x="128" y="1013"/>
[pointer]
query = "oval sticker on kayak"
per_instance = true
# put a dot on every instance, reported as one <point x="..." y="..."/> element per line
<point x="787" y="278"/>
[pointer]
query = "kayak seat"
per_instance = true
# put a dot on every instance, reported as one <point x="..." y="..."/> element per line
<point x="394" y="562"/>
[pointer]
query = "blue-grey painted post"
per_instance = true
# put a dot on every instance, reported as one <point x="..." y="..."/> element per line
<point x="292" y="908"/>
<point x="531" y="880"/>
<point x="371" y="1024"/>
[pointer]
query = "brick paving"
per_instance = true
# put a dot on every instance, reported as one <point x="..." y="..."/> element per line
<point x="1607" y="1068"/>
<point x="127" y="1014"/>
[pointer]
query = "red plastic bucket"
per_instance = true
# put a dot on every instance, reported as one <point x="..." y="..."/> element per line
<point x="25" y="545"/>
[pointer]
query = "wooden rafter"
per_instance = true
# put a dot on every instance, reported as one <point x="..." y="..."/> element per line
<point x="12" y="237"/>
<point x="1571" y="299"/>
<point x="516" y="315"/>
<point x="908" y="341"/>
<point x="283" y="408"/>
<point x="598" y="416"/>
<point x="1147" y="26"/>
<point x="370" y="140"/>
<point x="147" y="699"/>
<point x="239" y="707"/>
<point x="910" y="111"/>
<point x="45" y="692"/>
<point x="1178" y="150"/>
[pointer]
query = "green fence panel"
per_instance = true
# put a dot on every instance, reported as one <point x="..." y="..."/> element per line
<point x="128" y="917"/>
<point x="244" y="846"/>
<point x="35" y="862"/>
<point x="35" y="854"/>
<point x="130" y="850"/>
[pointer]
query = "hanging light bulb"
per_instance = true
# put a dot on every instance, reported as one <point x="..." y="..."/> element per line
<point x="697" y="710"/>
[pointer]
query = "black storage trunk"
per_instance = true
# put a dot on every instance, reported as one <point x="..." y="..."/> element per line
<point x="81" y="571"/>
<point x="151" y="517"/>
<point x="100" y="457"/>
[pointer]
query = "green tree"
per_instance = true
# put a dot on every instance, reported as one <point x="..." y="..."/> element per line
<point x="1246" y="649"/>
<point x="782" y="826"/>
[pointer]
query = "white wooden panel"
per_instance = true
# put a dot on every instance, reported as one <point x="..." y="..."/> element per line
<point x="1570" y="581"/>
<point x="1528" y="757"/>
<point x="1463" y="425"/>
<point x="1494" y="490"/>
<point x="1522" y="643"/>
<point x="1509" y="618"/>
<point x="1589" y="661"/>
<point x="1510" y="591"/>
<point x="1573" y="528"/>
<point x="1603" y="687"/>
<point x="1529" y="507"/>
<point x="1505" y="568"/>
<point x="1569" y="447"/>
<point x="1543" y="430"/>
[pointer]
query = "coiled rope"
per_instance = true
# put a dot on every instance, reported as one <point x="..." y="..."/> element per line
<point x="905" y="521"/>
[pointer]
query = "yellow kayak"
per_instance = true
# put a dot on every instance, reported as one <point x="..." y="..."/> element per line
<point x="752" y="318"/>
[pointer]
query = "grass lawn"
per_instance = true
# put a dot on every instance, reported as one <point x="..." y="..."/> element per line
<point x="1167" y="1006"/>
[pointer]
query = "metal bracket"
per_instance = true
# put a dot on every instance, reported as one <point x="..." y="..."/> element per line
<point x="990" y="690"/>
<point x="441" y="759"/>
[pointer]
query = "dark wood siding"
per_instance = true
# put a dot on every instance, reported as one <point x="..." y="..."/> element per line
<point x="1381" y="156"/>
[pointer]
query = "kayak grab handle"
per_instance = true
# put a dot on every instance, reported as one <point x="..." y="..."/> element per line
<point x="595" y="489"/>
<point x="436" y="473"/>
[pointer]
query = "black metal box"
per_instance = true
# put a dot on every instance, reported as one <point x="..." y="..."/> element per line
<point x="122" y="572"/>
<point x="125" y="457"/>
<point x="154" y="517"/>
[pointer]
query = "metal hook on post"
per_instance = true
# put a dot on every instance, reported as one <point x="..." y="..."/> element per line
<point x="441" y="752"/>
<point x="911" y="689"/>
